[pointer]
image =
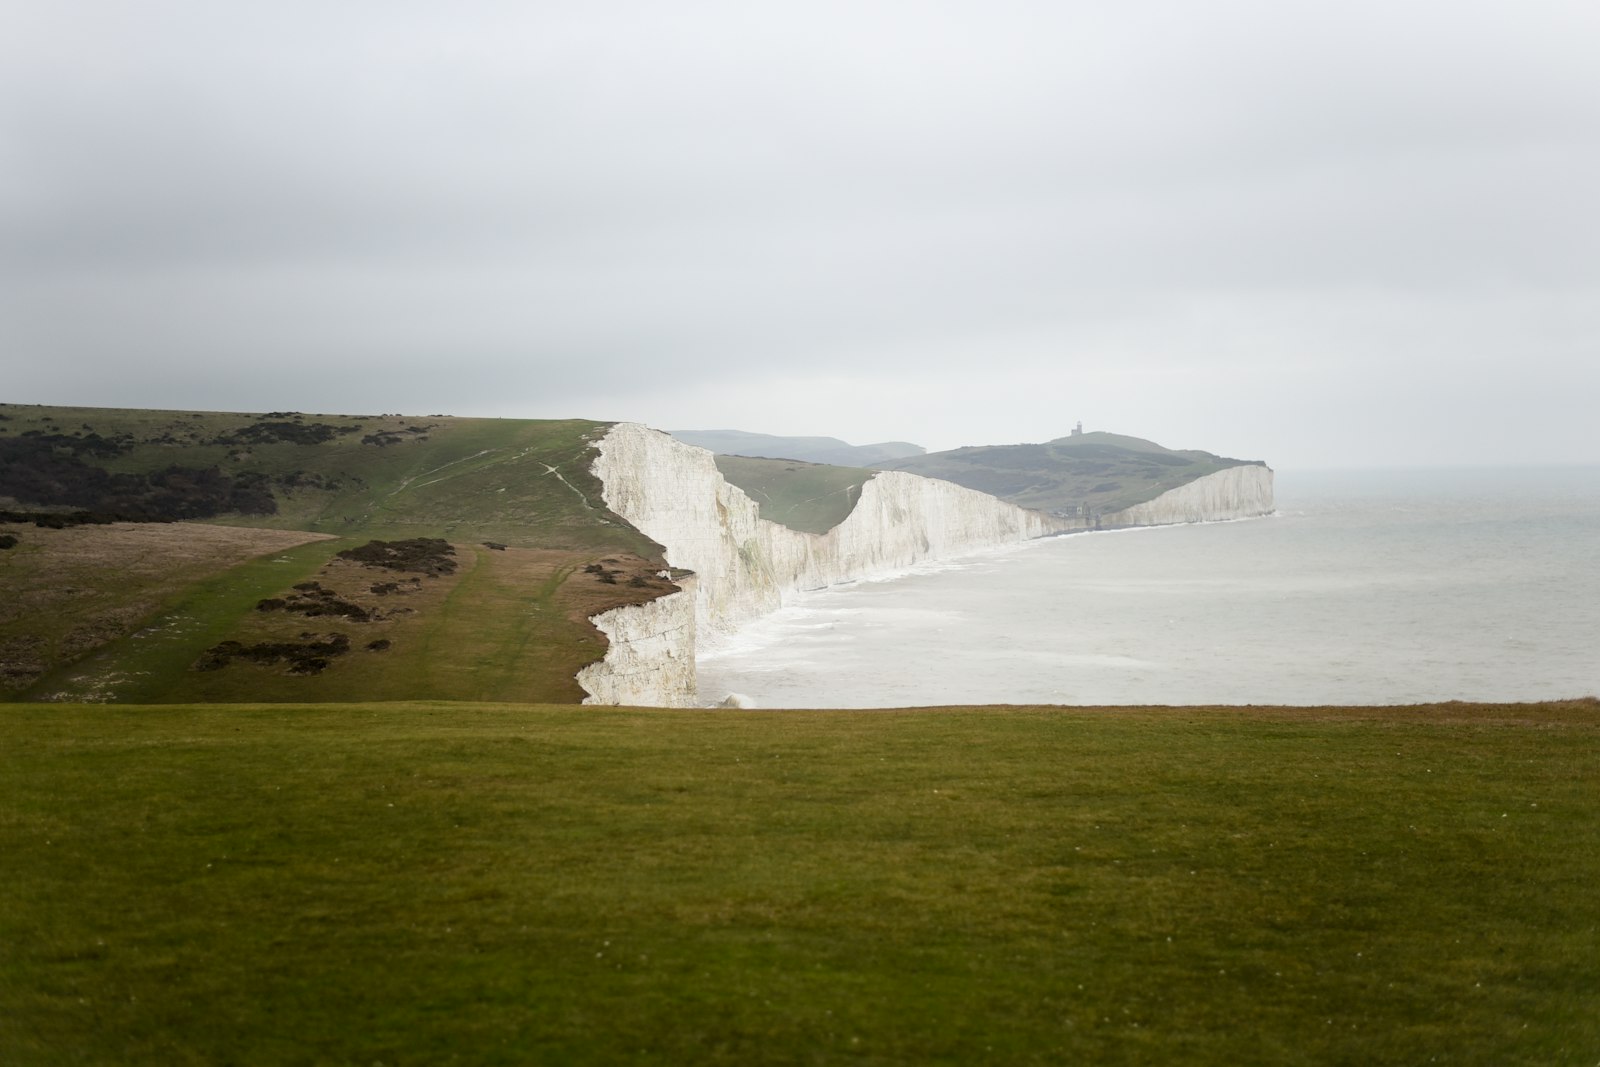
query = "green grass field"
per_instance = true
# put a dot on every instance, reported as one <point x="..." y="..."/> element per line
<point x="436" y="883"/>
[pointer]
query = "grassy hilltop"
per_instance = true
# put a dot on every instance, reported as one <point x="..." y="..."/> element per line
<point x="521" y="550"/>
<point x="1082" y="475"/>
<point x="825" y="450"/>
<point x="434" y="883"/>
<point x="811" y="497"/>
<point x="1103" y="472"/>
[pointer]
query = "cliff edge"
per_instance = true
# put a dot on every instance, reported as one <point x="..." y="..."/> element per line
<point x="1243" y="492"/>
<point x="746" y="566"/>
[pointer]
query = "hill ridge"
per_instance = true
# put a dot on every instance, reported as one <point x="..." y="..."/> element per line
<point x="1090" y="476"/>
<point x="515" y="501"/>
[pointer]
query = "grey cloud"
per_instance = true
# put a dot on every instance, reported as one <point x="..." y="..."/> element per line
<point x="720" y="194"/>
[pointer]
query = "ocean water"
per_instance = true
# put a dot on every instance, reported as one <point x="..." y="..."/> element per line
<point x="1367" y="587"/>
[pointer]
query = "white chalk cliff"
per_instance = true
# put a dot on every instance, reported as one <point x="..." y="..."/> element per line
<point x="649" y="660"/>
<point x="746" y="566"/>
<point x="1242" y="492"/>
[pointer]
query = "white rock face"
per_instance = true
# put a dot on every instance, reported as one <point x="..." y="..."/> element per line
<point x="674" y="494"/>
<point x="1235" y="493"/>
<point x="650" y="661"/>
<point x="745" y="567"/>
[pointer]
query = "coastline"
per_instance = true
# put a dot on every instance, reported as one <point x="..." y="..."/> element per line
<point x="746" y="568"/>
<point x="1412" y="593"/>
<point x="717" y="645"/>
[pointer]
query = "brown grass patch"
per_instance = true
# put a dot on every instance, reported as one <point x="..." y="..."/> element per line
<point x="67" y="592"/>
<point x="632" y="580"/>
<point x="509" y="624"/>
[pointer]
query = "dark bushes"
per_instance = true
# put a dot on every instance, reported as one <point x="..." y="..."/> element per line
<point x="424" y="555"/>
<point x="385" y="438"/>
<point x="272" y="431"/>
<point x="313" y="600"/>
<point x="386" y="588"/>
<point x="47" y="470"/>
<point x="58" y="520"/>
<point x="304" y="656"/>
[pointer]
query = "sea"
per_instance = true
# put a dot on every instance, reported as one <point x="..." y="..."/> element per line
<point x="1365" y="587"/>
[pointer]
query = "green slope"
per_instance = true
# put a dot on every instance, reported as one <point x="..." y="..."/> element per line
<point x="828" y="450"/>
<point x="1084" y="474"/>
<point x="519" y="481"/>
<point x="515" y="629"/>
<point x="811" y="497"/>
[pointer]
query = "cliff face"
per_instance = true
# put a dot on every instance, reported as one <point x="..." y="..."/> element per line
<point x="1235" y="493"/>
<point x="650" y="660"/>
<point x="744" y="566"/>
<point x="673" y="493"/>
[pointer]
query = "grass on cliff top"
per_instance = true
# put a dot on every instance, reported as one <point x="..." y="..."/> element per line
<point x="65" y="592"/>
<point x="423" y="883"/>
<point x="810" y="497"/>
<point x="522" y="482"/>
<point x="125" y="612"/>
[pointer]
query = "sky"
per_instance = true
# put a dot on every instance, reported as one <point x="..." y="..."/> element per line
<point x="1318" y="234"/>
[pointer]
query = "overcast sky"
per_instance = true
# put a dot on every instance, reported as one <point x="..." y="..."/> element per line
<point x="1320" y="234"/>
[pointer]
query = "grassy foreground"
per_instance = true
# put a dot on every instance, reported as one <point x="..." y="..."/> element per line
<point x="436" y="883"/>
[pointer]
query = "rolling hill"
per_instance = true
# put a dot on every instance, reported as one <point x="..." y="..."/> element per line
<point x="152" y="556"/>
<point x="1081" y="475"/>
<point x="811" y="497"/>
<point x="504" y="551"/>
<point x="828" y="450"/>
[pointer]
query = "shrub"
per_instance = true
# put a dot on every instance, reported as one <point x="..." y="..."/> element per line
<point x="49" y="470"/>
<point x="306" y="656"/>
<point x="426" y="555"/>
<point x="272" y="431"/>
